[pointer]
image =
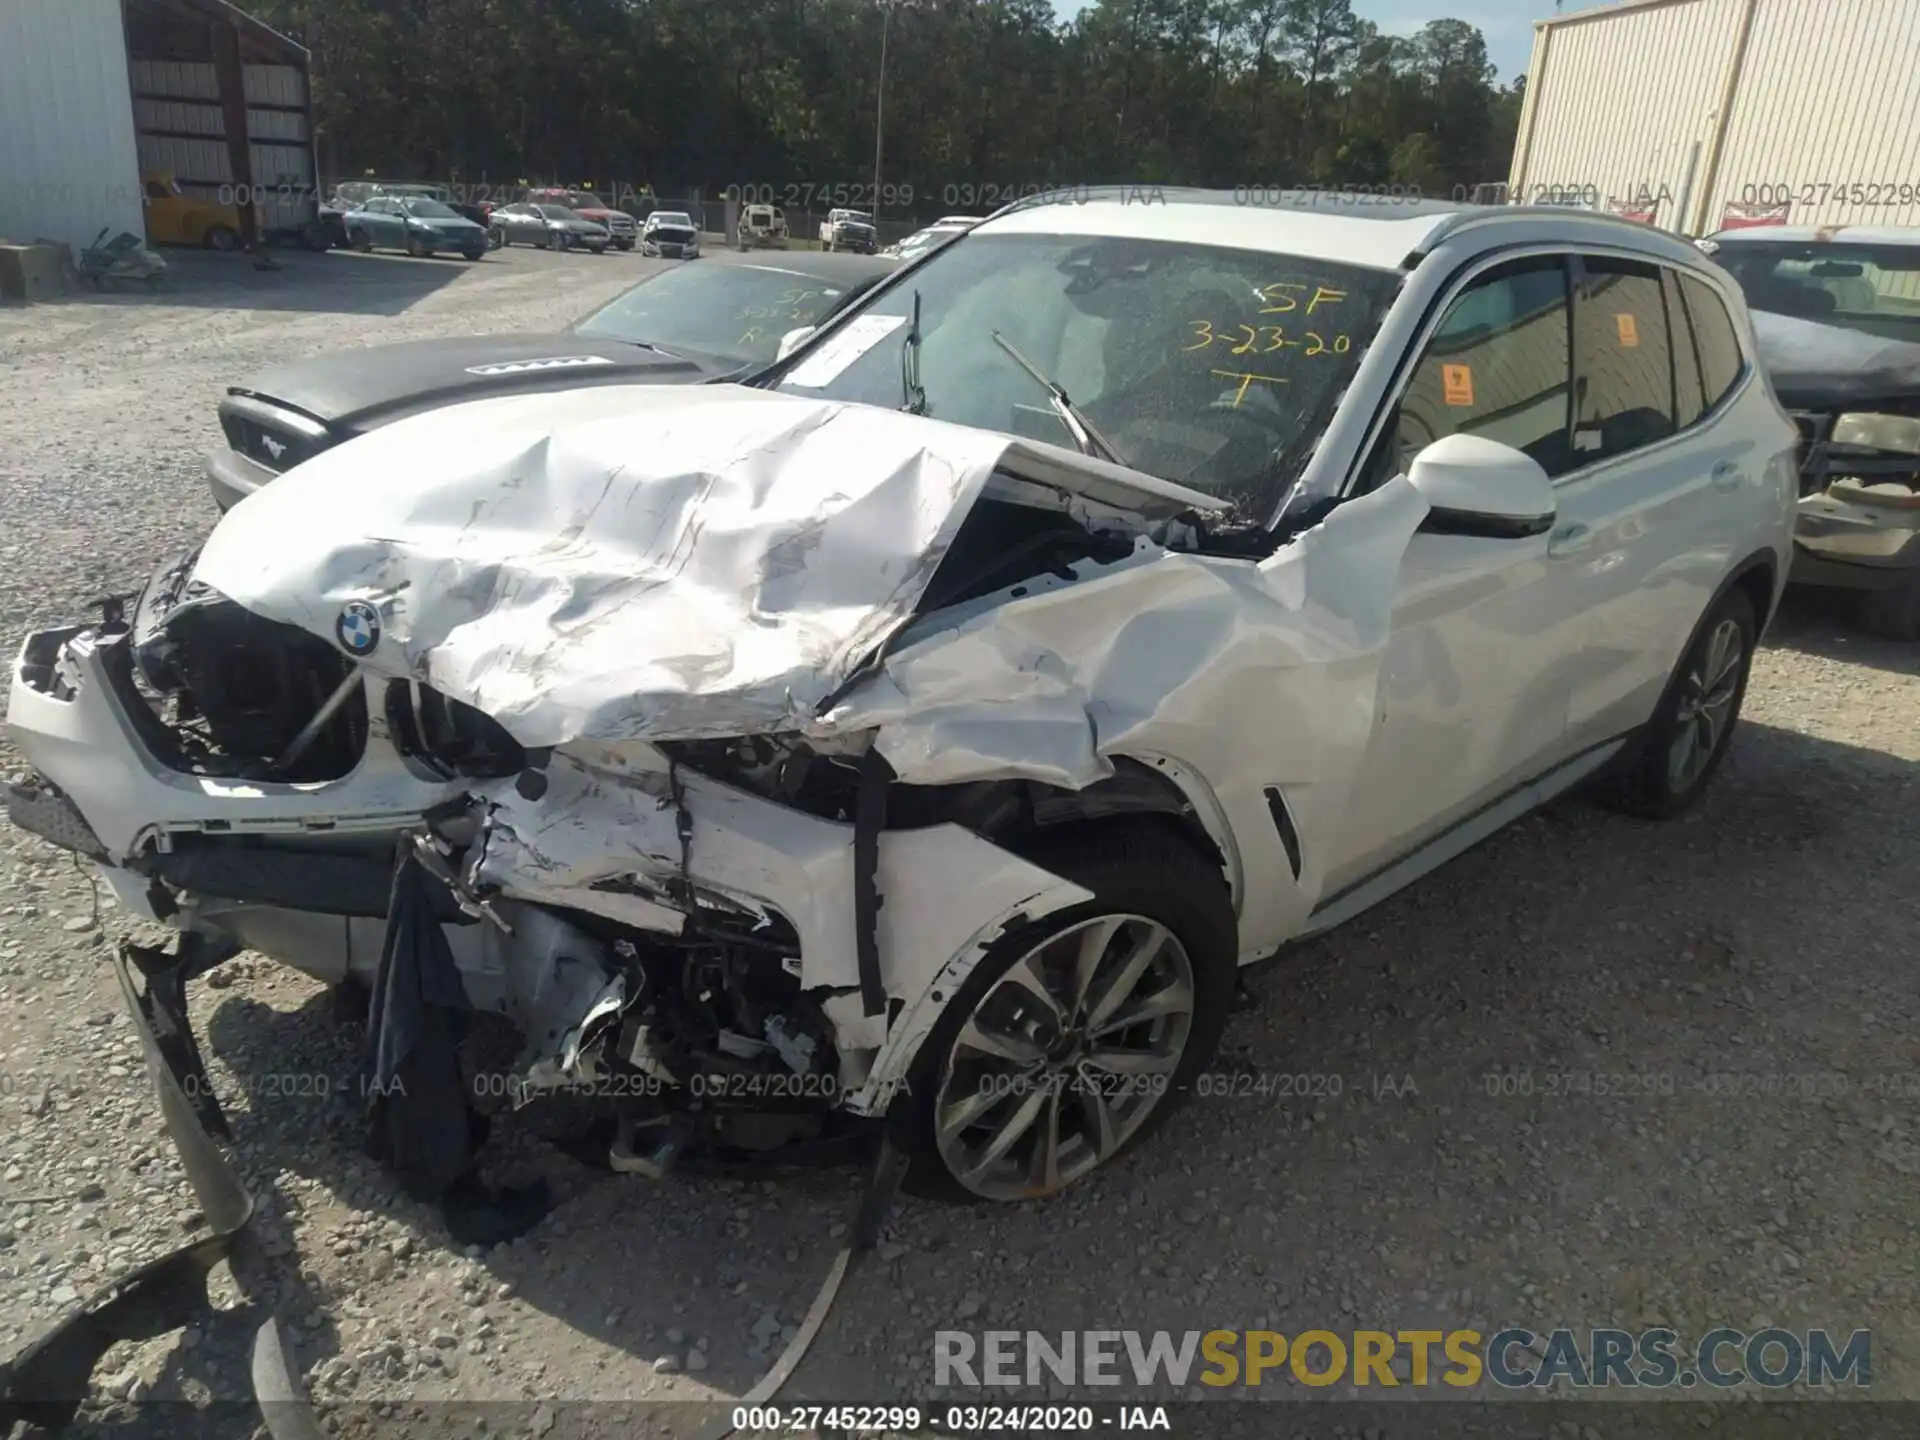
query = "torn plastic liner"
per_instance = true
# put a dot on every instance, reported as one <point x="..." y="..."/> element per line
<point x="45" y="1383"/>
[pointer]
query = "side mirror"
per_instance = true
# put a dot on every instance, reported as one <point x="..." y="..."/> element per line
<point x="1477" y="486"/>
<point x="793" y="340"/>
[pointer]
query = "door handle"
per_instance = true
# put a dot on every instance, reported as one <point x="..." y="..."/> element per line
<point x="1726" y="476"/>
<point x="1570" y="540"/>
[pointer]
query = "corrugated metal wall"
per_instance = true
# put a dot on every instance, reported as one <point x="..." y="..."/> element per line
<point x="1623" y="105"/>
<point x="283" y="171"/>
<point x="1828" y="98"/>
<point x="69" y="163"/>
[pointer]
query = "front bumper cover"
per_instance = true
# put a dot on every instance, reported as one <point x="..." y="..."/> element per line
<point x="45" y="1383"/>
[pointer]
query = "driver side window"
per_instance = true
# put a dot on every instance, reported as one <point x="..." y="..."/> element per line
<point x="1497" y="366"/>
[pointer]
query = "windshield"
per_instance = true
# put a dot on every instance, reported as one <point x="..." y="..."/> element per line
<point x="671" y="217"/>
<point x="1210" y="367"/>
<point x="735" y="312"/>
<point x="430" y="210"/>
<point x="1874" y="289"/>
<point x="556" y="212"/>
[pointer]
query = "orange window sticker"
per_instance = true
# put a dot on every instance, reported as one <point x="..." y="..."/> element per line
<point x="1457" y="382"/>
<point x="1629" y="330"/>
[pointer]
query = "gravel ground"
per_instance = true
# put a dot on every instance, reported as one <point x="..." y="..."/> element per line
<point x="1769" y="936"/>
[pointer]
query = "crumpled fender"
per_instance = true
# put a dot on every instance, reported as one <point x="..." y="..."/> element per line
<point x="1254" y="674"/>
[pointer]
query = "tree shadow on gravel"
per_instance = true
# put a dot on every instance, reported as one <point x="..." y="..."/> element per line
<point x="340" y="281"/>
<point x="1346" y="1163"/>
<point x="1825" y="623"/>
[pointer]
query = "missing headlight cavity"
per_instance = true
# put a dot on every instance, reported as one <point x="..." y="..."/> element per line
<point x="1283" y="822"/>
<point x="450" y="736"/>
<point x="235" y="694"/>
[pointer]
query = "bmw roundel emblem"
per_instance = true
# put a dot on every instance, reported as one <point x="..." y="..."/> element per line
<point x="358" y="628"/>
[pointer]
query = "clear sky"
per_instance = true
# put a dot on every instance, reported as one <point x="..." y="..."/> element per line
<point x="1507" y="24"/>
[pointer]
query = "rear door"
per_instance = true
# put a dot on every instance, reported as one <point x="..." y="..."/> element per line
<point x="1643" y="535"/>
<point x="1473" y="689"/>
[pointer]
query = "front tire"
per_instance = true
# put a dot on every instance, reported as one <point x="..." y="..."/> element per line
<point x="360" y="241"/>
<point x="223" y="238"/>
<point x="1688" y="736"/>
<point x="1077" y="1034"/>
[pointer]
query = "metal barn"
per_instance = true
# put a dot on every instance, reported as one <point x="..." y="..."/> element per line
<point x="1697" y="114"/>
<point x="93" y="92"/>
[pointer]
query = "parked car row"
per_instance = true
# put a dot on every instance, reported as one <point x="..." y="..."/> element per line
<point x="409" y="215"/>
<point x="679" y="326"/>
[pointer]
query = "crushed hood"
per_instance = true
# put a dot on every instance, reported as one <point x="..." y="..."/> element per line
<point x="1831" y="367"/>
<point x="629" y="563"/>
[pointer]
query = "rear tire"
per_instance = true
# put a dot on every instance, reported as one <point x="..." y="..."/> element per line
<point x="223" y="238"/>
<point x="1893" y="613"/>
<point x="1148" y="882"/>
<point x="1693" y="725"/>
<point x="360" y="241"/>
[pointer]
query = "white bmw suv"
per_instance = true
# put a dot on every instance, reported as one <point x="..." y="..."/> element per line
<point x="931" y="730"/>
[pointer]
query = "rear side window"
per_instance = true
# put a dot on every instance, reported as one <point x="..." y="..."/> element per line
<point x="1721" y="363"/>
<point x="1689" y="394"/>
<point x="1622" y="360"/>
<point x="1496" y="367"/>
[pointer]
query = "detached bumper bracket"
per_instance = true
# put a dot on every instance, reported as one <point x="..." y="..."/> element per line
<point x="45" y="1383"/>
<point x="162" y="1012"/>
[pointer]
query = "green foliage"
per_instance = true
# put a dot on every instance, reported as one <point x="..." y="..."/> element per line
<point x="980" y="94"/>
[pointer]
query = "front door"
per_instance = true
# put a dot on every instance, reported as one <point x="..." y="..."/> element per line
<point x="1487" y="638"/>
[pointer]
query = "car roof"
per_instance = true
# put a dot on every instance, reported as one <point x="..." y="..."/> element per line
<point x="1818" y="235"/>
<point x="1379" y="232"/>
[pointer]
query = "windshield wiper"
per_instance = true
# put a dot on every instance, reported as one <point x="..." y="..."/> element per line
<point x="659" y="350"/>
<point x="1090" y="440"/>
<point x="913" y="396"/>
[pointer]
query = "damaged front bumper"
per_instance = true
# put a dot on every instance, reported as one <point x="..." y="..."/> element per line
<point x="613" y="839"/>
<point x="1858" y="526"/>
<point x="45" y="1383"/>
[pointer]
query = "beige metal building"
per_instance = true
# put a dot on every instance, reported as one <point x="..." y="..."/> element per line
<point x="1804" y="112"/>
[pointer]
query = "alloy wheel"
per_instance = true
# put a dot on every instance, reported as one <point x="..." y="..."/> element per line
<point x="1707" y="695"/>
<point x="1065" y="1057"/>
